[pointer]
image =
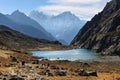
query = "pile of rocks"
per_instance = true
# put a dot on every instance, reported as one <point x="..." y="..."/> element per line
<point x="34" y="70"/>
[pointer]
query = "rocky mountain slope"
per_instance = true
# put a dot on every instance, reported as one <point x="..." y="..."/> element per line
<point x="27" y="29"/>
<point x="63" y="27"/>
<point x="102" y="33"/>
<point x="13" y="40"/>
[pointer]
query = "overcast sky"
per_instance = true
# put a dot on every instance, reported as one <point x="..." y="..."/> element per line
<point x="84" y="9"/>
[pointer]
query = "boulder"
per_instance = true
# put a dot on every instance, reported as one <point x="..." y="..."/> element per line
<point x="79" y="70"/>
<point x="35" y="62"/>
<point x="23" y="63"/>
<point x="59" y="73"/>
<point x="13" y="59"/>
<point x="17" y="78"/>
<point x="54" y="67"/>
<point x="87" y="73"/>
<point x="48" y="74"/>
<point x="85" y="65"/>
<point x="92" y="73"/>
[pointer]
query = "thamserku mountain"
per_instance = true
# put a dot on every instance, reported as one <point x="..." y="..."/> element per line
<point x="64" y="27"/>
<point x="102" y="33"/>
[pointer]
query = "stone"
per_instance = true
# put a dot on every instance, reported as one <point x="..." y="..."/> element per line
<point x="87" y="73"/>
<point x="17" y="78"/>
<point x="48" y="74"/>
<point x="23" y="63"/>
<point x="13" y="59"/>
<point x="85" y="65"/>
<point x="59" y="73"/>
<point x="35" y="62"/>
<point x="54" y="67"/>
<point x="92" y="73"/>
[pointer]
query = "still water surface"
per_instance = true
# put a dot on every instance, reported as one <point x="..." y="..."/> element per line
<point x="74" y="54"/>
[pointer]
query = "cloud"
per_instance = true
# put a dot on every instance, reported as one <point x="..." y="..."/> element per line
<point x="84" y="9"/>
<point x="74" y="1"/>
<point x="79" y="11"/>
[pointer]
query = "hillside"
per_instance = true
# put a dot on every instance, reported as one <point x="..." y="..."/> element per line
<point x="102" y="33"/>
<point x="13" y="40"/>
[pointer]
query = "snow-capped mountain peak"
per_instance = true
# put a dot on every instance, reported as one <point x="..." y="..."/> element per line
<point x="66" y="24"/>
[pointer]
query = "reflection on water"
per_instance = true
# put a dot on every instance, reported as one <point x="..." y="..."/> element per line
<point x="75" y="54"/>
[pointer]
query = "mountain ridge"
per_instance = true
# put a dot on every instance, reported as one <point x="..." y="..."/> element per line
<point x="14" y="40"/>
<point x="23" y="20"/>
<point x="101" y="34"/>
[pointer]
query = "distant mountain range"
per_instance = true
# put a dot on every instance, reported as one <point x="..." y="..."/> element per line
<point x="20" y="22"/>
<point x="63" y="27"/>
<point x="102" y="33"/>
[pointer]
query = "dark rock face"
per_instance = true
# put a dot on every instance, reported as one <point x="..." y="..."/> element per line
<point x="102" y="33"/>
<point x="13" y="40"/>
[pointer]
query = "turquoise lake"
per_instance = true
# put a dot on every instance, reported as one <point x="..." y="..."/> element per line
<point x="72" y="55"/>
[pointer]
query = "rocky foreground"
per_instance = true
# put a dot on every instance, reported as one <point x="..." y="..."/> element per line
<point x="22" y="66"/>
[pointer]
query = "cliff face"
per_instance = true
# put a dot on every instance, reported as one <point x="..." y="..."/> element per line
<point x="102" y="33"/>
<point x="13" y="40"/>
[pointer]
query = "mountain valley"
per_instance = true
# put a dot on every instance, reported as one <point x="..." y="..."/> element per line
<point x="63" y="27"/>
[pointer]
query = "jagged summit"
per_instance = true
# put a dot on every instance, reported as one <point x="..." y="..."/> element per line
<point x="111" y="7"/>
<point x="67" y="15"/>
<point x="17" y="12"/>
